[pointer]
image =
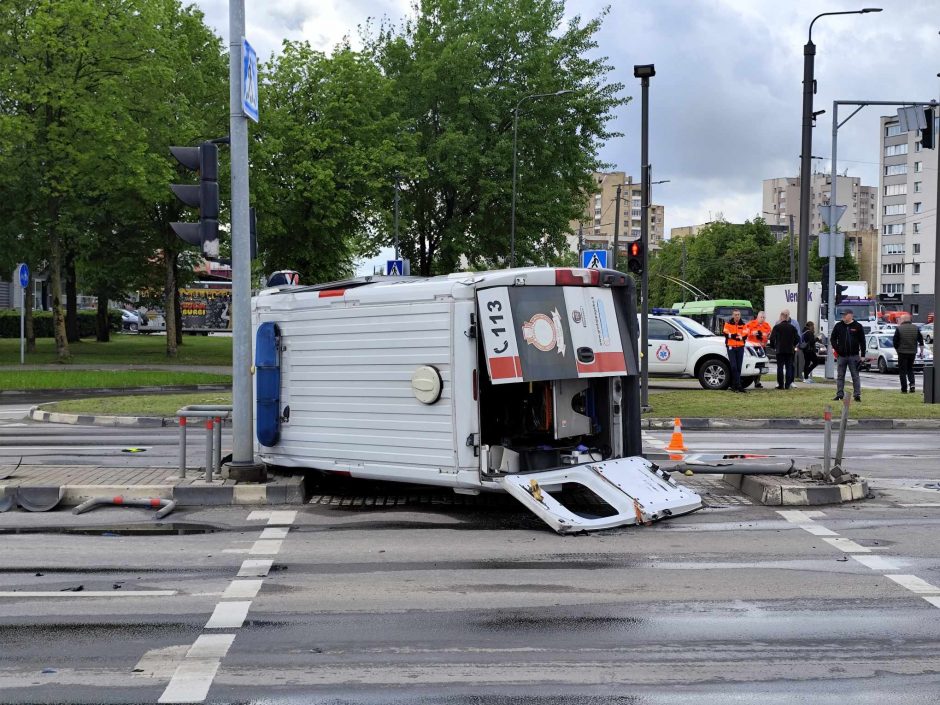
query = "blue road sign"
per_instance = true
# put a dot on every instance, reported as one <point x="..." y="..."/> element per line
<point x="23" y="275"/>
<point x="249" y="81"/>
<point x="594" y="259"/>
<point x="395" y="267"/>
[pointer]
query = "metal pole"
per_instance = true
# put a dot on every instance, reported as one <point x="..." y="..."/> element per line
<point x="210" y="436"/>
<point x="809" y="58"/>
<point x="217" y="445"/>
<point x="512" y="221"/>
<point x="617" y="226"/>
<point x="242" y="419"/>
<point x="182" y="470"/>
<point x="792" y="263"/>
<point x="936" y="270"/>
<point x="843" y="423"/>
<point x="827" y="441"/>
<point x="396" y="215"/>
<point x="22" y="326"/>
<point x="833" y="227"/>
<point x="644" y="241"/>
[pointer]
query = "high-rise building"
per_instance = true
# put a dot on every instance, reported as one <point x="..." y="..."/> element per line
<point x="596" y="226"/>
<point x="782" y="200"/>
<point x="907" y="225"/>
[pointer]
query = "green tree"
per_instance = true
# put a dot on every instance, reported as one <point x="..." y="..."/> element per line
<point x="459" y="68"/>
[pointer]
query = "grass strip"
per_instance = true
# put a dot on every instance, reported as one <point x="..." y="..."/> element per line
<point x="796" y="403"/>
<point x="65" y="378"/>
<point x="138" y="405"/>
<point x="126" y="349"/>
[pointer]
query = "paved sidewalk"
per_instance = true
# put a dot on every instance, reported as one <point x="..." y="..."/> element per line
<point x="64" y="485"/>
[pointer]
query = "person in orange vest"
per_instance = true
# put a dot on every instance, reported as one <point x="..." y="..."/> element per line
<point x="758" y="333"/>
<point x="735" y="332"/>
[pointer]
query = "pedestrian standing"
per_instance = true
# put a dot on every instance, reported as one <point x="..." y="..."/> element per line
<point x="808" y="348"/>
<point x="907" y="340"/>
<point x="758" y="333"/>
<point x="784" y="338"/>
<point x="735" y="332"/>
<point x="848" y="342"/>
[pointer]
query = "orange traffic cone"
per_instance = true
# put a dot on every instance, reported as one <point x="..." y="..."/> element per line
<point x="676" y="443"/>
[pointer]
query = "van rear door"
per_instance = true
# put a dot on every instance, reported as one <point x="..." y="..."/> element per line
<point x="601" y="495"/>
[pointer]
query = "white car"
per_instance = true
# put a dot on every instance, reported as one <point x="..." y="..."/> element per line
<point x="681" y="347"/>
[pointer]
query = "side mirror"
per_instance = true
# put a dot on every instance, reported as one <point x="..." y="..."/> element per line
<point x="676" y="336"/>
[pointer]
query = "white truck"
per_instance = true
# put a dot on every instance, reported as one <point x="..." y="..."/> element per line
<point x="680" y="347"/>
<point x="520" y="380"/>
<point x="785" y="296"/>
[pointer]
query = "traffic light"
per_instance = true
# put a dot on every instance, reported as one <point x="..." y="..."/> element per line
<point x="635" y="257"/>
<point x="840" y="292"/>
<point x="825" y="283"/>
<point x="203" y="159"/>
<point x="928" y="135"/>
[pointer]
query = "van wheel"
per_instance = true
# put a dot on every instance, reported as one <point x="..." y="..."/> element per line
<point x="882" y="366"/>
<point x="714" y="374"/>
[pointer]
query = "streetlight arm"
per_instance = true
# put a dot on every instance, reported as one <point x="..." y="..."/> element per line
<point x="863" y="11"/>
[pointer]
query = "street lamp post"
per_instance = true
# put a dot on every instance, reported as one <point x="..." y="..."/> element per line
<point x="644" y="72"/>
<point x="809" y="88"/>
<point x="515" y="129"/>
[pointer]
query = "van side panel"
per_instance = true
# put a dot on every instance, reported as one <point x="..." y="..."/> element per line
<point x="352" y="407"/>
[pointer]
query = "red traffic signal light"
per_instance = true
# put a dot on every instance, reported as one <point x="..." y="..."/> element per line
<point x="635" y="257"/>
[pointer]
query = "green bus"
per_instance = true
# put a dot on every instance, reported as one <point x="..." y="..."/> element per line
<point x="715" y="313"/>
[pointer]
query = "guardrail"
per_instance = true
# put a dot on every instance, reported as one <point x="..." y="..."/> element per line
<point x="215" y="415"/>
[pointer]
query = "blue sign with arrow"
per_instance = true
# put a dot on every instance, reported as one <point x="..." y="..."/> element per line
<point x="594" y="259"/>
<point x="23" y="275"/>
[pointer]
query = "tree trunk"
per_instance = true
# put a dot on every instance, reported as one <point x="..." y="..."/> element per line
<point x="58" y="319"/>
<point x="71" y="298"/>
<point x="28" y="318"/>
<point x="102" y="324"/>
<point x="169" y="298"/>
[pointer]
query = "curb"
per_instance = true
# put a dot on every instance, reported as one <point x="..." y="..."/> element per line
<point x="699" y="424"/>
<point x="281" y="489"/>
<point x="37" y="414"/>
<point x="129" y="391"/>
<point x="773" y="491"/>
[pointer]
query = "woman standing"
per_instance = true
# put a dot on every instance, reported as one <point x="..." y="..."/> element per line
<point x="808" y="346"/>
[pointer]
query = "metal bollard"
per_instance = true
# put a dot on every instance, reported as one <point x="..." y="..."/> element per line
<point x="182" y="470"/>
<point x="217" y="446"/>
<point x="843" y="423"/>
<point x="827" y="441"/>
<point x="210" y="436"/>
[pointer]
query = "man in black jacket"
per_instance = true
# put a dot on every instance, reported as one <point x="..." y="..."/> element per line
<point x="783" y="339"/>
<point x="907" y="338"/>
<point x="848" y="342"/>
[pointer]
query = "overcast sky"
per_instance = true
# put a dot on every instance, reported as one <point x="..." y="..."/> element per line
<point x="725" y="103"/>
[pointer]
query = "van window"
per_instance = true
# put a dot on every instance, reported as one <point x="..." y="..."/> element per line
<point x="659" y="330"/>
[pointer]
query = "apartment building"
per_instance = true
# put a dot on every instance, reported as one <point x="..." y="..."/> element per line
<point x="596" y="226"/>
<point x="781" y="199"/>
<point x="908" y="214"/>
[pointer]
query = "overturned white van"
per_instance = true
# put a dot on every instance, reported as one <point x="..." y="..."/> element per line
<point x="522" y="380"/>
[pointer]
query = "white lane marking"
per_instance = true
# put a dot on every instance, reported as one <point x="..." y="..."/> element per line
<point x="266" y="547"/>
<point x="236" y="550"/>
<point x="191" y="682"/>
<point x="935" y="601"/>
<point x="259" y="515"/>
<point x="282" y="516"/>
<point x="804" y="520"/>
<point x="242" y="589"/>
<point x="89" y="593"/>
<point x="922" y="504"/>
<point x="211" y="646"/>
<point x="877" y="562"/>
<point x="274" y="532"/>
<point x="847" y="545"/>
<point x="915" y="584"/>
<point x="228" y="615"/>
<point x="254" y="568"/>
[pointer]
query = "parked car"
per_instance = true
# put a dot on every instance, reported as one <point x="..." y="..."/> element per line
<point x="880" y="353"/>
<point x="130" y="320"/>
<point x="927" y="331"/>
<point x="681" y="347"/>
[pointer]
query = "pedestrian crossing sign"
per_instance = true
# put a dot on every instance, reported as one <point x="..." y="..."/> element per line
<point x="394" y="268"/>
<point x="249" y="81"/>
<point x="594" y="259"/>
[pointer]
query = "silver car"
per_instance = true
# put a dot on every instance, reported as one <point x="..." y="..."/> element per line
<point x="880" y="353"/>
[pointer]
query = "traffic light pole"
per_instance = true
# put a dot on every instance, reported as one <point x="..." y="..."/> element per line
<point x="644" y="73"/>
<point x="243" y="466"/>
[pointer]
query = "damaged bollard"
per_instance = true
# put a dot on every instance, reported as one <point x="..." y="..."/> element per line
<point x="166" y="505"/>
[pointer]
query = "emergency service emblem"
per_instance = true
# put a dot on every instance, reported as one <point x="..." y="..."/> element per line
<point x="545" y="333"/>
<point x="663" y="353"/>
<point x="577" y="316"/>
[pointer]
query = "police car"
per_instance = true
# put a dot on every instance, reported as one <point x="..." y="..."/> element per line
<point x="680" y="347"/>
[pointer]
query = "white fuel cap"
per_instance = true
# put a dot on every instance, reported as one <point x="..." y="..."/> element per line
<point x="426" y="384"/>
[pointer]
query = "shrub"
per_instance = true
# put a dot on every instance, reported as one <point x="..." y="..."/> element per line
<point x="42" y="323"/>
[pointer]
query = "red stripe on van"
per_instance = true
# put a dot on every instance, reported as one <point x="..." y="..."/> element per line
<point x="331" y="292"/>
<point x="605" y="362"/>
<point x="505" y="367"/>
